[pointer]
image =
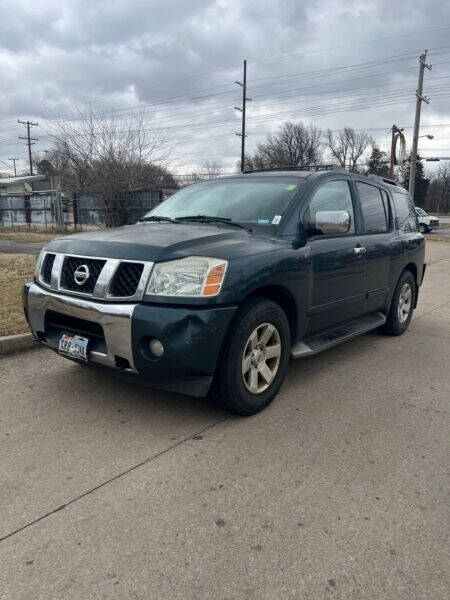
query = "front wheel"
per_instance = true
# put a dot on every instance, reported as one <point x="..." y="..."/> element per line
<point x="254" y="359"/>
<point x="423" y="228"/>
<point x="402" y="305"/>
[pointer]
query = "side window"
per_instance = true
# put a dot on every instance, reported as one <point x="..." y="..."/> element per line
<point x="373" y="208"/>
<point x="406" y="214"/>
<point x="333" y="195"/>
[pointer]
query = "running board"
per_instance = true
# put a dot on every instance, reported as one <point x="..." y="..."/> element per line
<point x="323" y="341"/>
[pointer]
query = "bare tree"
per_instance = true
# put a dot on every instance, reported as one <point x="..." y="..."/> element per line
<point x="296" y="144"/>
<point x="438" y="196"/>
<point x="211" y="169"/>
<point x="108" y="157"/>
<point x="347" y="146"/>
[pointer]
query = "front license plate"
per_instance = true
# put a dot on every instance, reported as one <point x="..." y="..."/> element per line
<point x="74" y="346"/>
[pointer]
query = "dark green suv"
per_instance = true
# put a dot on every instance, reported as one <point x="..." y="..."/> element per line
<point x="217" y="288"/>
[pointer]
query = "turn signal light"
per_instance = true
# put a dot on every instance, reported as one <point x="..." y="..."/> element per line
<point x="214" y="280"/>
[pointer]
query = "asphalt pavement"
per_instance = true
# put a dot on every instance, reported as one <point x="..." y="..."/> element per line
<point x="340" y="489"/>
<point x="442" y="232"/>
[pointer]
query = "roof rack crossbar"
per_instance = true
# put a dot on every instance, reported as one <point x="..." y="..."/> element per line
<point x="293" y="168"/>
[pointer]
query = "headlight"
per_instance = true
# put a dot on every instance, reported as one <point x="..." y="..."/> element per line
<point x="191" y="276"/>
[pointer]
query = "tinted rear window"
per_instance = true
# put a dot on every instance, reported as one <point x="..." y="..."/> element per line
<point x="406" y="214"/>
<point x="373" y="208"/>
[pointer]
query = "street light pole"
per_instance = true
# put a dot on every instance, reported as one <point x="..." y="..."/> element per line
<point x="419" y="99"/>
<point x="396" y="135"/>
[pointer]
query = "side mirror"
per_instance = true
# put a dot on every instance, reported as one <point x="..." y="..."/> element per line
<point x="330" y="222"/>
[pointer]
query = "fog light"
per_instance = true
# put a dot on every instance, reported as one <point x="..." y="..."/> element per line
<point x="156" y="347"/>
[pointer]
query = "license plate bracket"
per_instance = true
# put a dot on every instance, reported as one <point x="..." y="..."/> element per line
<point x="74" y="346"/>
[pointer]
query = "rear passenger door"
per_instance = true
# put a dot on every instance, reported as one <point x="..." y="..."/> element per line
<point x="377" y="232"/>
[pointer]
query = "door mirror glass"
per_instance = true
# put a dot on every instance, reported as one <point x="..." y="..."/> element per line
<point x="331" y="222"/>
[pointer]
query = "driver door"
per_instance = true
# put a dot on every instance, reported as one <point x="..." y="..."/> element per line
<point x="337" y="270"/>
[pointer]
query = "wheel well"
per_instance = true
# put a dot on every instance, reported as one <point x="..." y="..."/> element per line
<point x="412" y="267"/>
<point x="282" y="297"/>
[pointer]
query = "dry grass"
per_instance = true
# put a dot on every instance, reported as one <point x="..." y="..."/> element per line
<point x="15" y="270"/>
<point x="14" y="235"/>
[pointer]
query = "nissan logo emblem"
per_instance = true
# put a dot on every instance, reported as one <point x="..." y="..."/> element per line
<point x="81" y="274"/>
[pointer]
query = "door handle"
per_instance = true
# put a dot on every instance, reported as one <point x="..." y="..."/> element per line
<point x="359" y="250"/>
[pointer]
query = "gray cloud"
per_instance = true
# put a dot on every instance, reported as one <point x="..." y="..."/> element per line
<point x="182" y="57"/>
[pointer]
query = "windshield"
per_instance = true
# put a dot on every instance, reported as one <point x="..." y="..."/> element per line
<point x="421" y="212"/>
<point x="260" y="202"/>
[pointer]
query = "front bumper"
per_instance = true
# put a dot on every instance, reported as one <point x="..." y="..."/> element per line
<point x="192" y="336"/>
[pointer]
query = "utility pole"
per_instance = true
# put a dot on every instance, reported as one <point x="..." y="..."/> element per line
<point x="30" y="140"/>
<point x="243" y="135"/>
<point x="419" y="99"/>
<point x="14" y="163"/>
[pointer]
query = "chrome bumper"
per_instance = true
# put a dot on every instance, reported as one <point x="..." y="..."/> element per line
<point x="115" y="320"/>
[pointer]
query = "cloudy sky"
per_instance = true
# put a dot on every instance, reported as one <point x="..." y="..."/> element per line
<point x="330" y="63"/>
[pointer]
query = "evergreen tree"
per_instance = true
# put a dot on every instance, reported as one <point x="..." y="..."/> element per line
<point x="378" y="162"/>
<point x="421" y="182"/>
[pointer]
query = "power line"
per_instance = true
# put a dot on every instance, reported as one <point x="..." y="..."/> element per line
<point x="298" y="77"/>
<point x="360" y="104"/>
<point x="350" y="44"/>
<point x="189" y="113"/>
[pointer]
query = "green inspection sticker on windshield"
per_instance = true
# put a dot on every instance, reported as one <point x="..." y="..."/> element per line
<point x="291" y="187"/>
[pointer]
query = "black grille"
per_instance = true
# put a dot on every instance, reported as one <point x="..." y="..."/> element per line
<point x="126" y="279"/>
<point x="46" y="269"/>
<point x="57" y="323"/>
<point x="71" y="264"/>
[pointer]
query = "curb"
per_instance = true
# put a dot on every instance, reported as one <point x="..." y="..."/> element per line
<point x="16" y="343"/>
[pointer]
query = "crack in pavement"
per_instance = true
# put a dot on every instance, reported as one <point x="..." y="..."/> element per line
<point x="118" y="476"/>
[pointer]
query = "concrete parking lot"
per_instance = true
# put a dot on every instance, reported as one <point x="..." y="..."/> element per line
<point x="340" y="489"/>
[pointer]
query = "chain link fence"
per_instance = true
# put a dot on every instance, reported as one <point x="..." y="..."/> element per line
<point x="51" y="211"/>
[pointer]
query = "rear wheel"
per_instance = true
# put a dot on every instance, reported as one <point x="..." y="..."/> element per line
<point x="254" y="359"/>
<point x="402" y="305"/>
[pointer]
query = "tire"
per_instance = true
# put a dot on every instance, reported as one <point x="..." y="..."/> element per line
<point x="402" y="305"/>
<point x="243" y="360"/>
<point x="423" y="228"/>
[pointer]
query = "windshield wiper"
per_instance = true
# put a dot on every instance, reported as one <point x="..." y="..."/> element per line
<point x="157" y="218"/>
<point x="210" y="219"/>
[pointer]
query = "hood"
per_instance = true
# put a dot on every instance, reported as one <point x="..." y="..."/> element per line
<point x="163" y="241"/>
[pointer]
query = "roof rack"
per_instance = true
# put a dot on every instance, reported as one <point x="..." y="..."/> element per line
<point x="295" y="168"/>
<point x="383" y="179"/>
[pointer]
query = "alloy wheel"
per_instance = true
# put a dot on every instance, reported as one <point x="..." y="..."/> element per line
<point x="404" y="303"/>
<point x="261" y="358"/>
